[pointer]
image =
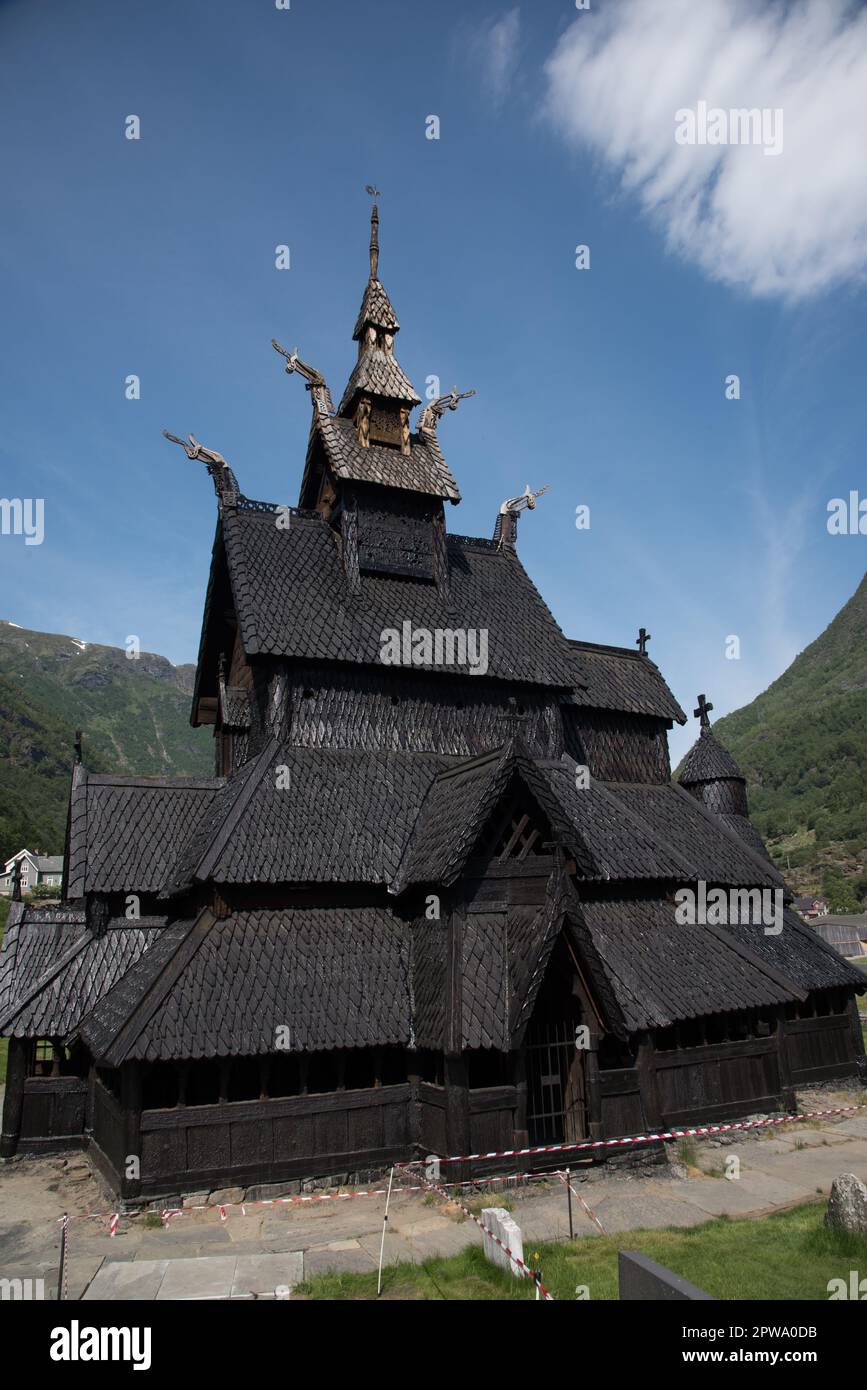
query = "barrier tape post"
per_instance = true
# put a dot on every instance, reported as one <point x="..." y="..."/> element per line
<point x="585" y="1207"/>
<point x="569" y="1200"/>
<point x="384" y="1225"/>
<point x="61" y="1268"/>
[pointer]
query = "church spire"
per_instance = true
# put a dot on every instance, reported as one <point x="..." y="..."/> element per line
<point x="379" y="397"/>
<point x="374" y="242"/>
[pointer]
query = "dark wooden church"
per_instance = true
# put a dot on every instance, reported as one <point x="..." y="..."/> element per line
<point x="428" y="900"/>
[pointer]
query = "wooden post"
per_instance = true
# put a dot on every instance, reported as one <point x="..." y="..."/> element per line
<point x="857" y="1035"/>
<point x="13" y="1104"/>
<point x="457" y="1107"/>
<point x="594" y="1092"/>
<point x="130" y="1099"/>
<point x="784" y="1061"/>
<point x="645" y="1066"/>
<point x="522" y="1133"/>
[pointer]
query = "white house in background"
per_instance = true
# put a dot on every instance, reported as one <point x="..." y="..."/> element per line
<point x="36" y="870"/>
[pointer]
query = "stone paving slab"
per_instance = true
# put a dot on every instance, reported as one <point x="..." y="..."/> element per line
<point x="115" y="1280"/>
<point x="206" y="1277"/>
<point x="322" y="1260"/>
<point x="647" y="1211"/>
<point x="752" y="1192"/>
<point x="262" y="1274"/>
<point x="815" y="1167"/>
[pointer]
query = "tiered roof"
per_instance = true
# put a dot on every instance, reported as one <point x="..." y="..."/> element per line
<point x="381" y="813"/>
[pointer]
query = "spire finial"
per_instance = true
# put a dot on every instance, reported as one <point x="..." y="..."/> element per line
<point x="77" y="745"/>
<point x="704" y="708"/>
<point x="374" y="232"/>
<point x="642" y="640"/>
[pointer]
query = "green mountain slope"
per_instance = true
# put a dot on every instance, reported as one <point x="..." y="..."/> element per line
<point x="802" y="745"/>
<point x="134" y="714"/>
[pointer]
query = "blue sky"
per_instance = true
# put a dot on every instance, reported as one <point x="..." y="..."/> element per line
<point x="261" y="127"/>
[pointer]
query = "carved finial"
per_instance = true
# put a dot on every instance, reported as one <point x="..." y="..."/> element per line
<point x="642" y="640"/>
<point x="526" y="499"/>
<point x="224" y="480"/>
<point x="16" y="883"/>
<point x="374" y="232"/>
<point x="704" y="708"/>
<point x="77" y="745"/>
<point x="435" y="410"/>
<point x="506" y="529"/>
<point x="315" y="380"/>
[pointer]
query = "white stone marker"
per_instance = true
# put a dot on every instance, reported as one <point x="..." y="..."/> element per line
<point x="500" y="1223"/>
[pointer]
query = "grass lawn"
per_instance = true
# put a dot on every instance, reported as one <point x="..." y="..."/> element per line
<point x="787" y="1255"/>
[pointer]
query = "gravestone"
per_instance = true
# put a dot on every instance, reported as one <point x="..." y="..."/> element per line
<point x="642" y="1278"/>
<point x="847" y="1205"/>
<point x="498" y="1221"/>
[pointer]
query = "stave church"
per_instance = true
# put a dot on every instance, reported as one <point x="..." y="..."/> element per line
<point x="428" y="901"/>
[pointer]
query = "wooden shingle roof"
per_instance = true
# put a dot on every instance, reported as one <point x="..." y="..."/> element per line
<point x="619" y="679"/>
<point x="334" y="977"/>
<point x="708" y="761"/>
<point x="293" y="599"/>
<point x="423" y="470"/>
<point x="125" y="831"/>
<point x="53" y="969"/>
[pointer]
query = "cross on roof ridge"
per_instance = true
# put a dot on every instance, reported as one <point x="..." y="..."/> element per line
<point x="704" y="708"/>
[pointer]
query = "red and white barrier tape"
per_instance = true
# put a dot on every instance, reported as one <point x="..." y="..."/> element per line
<point x="700" y="1131"/>
<point x="168" y="1212"/>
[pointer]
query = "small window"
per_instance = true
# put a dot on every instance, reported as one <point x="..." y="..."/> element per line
<point x="322" y="1073"/>
<point x="284" y="1076"/>
<point x="160" y="1087"/>
<point x="486" y="1068"/>
<point x="359" y="1072"/>
<point x="203" y="1083"/>
<point x="244" y="1079"/>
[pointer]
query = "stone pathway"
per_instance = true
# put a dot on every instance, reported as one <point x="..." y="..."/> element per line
<point x="199" y="1256"/>
<point x="207" y="1276"/>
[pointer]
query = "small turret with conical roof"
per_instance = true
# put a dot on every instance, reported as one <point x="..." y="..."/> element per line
<point x="710" y="772"/>
<point x="712" y="776"/>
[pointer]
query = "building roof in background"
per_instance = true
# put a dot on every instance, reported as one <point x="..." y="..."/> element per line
<point x="53" y="969"/>
<point x="124" y="832"/>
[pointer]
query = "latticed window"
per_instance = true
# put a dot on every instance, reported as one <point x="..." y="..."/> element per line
<point x="520" y="838"/>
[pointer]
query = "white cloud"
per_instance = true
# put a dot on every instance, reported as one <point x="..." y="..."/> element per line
<point x="788" y="226"/>
<point x="496" y="48"/>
